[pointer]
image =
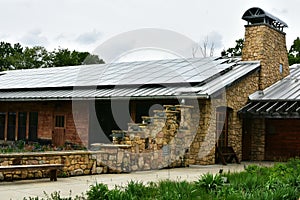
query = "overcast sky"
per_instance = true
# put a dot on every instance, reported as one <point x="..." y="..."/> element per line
<point x="85" y="24"/>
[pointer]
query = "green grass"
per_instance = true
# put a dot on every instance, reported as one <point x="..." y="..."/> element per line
<point x="282" y="181"/>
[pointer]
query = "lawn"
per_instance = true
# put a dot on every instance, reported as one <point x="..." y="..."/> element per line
<point x="282" y="181"/>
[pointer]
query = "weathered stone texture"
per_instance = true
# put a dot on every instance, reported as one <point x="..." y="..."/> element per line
<point x="258" y="139"/>
<point x="75" y="163"/>
<point x="268" y="45"/>
<point x="161" y="141"/>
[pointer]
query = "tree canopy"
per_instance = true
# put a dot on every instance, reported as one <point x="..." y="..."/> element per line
<point x="294" y="52"/>
<point x="234" y="51"/>
<point x="17" y="57"/>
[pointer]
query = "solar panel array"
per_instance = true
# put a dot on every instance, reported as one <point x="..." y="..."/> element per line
<point x="193" y="70"/>
<point x="212" y="83"/>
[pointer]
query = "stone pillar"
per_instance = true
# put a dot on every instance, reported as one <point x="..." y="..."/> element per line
<point x="258" y="139"/>
<point x="268" y="45"/>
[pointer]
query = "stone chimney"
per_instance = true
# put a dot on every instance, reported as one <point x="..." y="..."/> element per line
<point x="265" y="41"/>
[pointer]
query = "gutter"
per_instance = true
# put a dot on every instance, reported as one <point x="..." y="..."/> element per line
<point x="107" y="98"/>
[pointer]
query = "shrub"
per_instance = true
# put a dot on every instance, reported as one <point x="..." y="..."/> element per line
<point x="210" y="182"/>
<point x="98" y="191"/>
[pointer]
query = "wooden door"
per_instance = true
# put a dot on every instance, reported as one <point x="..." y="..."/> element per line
<point x="282" y="139"/>
<point x="59" y="130"/>
<point x="247" y="138"/>
<point x="221" y="133"/>
<point x="222" y="127"/>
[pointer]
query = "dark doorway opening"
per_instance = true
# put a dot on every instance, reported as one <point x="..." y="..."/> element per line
<point x="22" y="118"/>
<point x="116" y="114"/>
<point x="11" y="126"/>
<point x="2" y="125"/>
<point x="33" y="126"/>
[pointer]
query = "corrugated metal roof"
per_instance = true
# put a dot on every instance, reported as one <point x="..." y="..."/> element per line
<point x="89" y="93"/>
<point x="287" y="89"/>
<point x="272" y="109"/>
<point x="196" y="76"/>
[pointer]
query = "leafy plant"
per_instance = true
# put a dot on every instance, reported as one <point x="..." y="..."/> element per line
<point x="282" y="181"/>
<point x="97" y="191"/>
<point x="210" y="182"/>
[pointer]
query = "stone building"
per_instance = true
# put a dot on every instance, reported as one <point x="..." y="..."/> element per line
<point x="152" y="114"/>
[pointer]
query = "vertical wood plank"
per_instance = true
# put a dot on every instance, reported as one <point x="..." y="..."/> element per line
<point x="17" y="126"/>
<point x="133" y="111"/>
<point x="27" y="125"/>
<point x="5" y="128"/>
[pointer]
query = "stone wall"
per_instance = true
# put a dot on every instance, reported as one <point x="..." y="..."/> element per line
<point x="202" y="150"/>
<point x="236" y="98"/>
<point x="268" y="45"/>
<point x="75" y="163"/>
<point x="258" y="139"/>
<point x="160" y="141"/>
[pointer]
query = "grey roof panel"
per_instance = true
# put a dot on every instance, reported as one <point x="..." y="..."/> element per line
<point x="158" y="78"/>
<point x="112" y="74"/>
<point x="287" y="89"/>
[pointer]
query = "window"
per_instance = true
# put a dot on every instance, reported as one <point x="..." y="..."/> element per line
<point x="18" y="126"/>
<point x="280" y="68"/>
<point x="22" y="119"/>
<point x="33" y="126"/>
<point x="2" y="125"/>
<point x="11" y="126"/>
<point x="60" y="121"/>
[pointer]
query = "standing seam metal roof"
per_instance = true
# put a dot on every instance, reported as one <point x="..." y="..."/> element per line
<point x="178" y="77"/>
<point x="287" y="89"/>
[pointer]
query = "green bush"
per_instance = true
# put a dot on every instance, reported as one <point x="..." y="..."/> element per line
<point x="210" y="182"/>
<point x="282" y="181"/>
<point x="98" y="191"/>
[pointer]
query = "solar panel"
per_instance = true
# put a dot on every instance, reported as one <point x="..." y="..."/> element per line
<point x="126" y="73"/>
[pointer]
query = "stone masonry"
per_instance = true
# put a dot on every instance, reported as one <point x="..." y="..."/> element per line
<point x="202" y="150"/>
<point x="268" y="45"/>
<point x="160" y="141"/>
<point x="76" y="163"/>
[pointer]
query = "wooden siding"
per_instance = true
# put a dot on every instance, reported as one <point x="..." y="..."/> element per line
<point x="282" y="139"/>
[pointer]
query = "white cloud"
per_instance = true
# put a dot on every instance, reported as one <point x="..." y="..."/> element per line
<point x="89" y="37"/>
<point x="216" y="38"/>
<point x="34" y="38"/>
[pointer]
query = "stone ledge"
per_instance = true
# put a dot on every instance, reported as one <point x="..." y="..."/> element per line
<point x="48" y="153"/>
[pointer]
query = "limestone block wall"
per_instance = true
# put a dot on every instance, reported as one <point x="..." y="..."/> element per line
<point x="202" y="150"/>
<point x="268" y="45"/>
<point x="161" y="141"/>
<point x="75" y="163"/>
<point x="236" y="98"/>
<point x="258" y="139"/>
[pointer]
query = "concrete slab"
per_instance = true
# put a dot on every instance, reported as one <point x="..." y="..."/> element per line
<point x="80" y="184"/>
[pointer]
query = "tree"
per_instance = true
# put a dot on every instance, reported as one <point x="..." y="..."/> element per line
<point x="92" y="59"/>
<point x="206" y="48"/>
<point x="65" y="57"/>
<point x="294" y="52"/>
<point x="235" y="51"/>
<point x="34" y="57"/>
<point x="16" y="57"/>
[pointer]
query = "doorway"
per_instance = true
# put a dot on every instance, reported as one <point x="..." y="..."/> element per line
<point x="59" y="129"/>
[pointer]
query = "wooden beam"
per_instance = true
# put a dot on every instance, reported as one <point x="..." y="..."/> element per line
<point x="133" y="111"/>
<point x="17" y="126"/>
<point x="27" y="125"/>
<point x="5" y="127"/>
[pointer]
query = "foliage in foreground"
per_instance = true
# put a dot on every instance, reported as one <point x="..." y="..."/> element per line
<point x="21" y="146"/>
<point x="279" y="182"/>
